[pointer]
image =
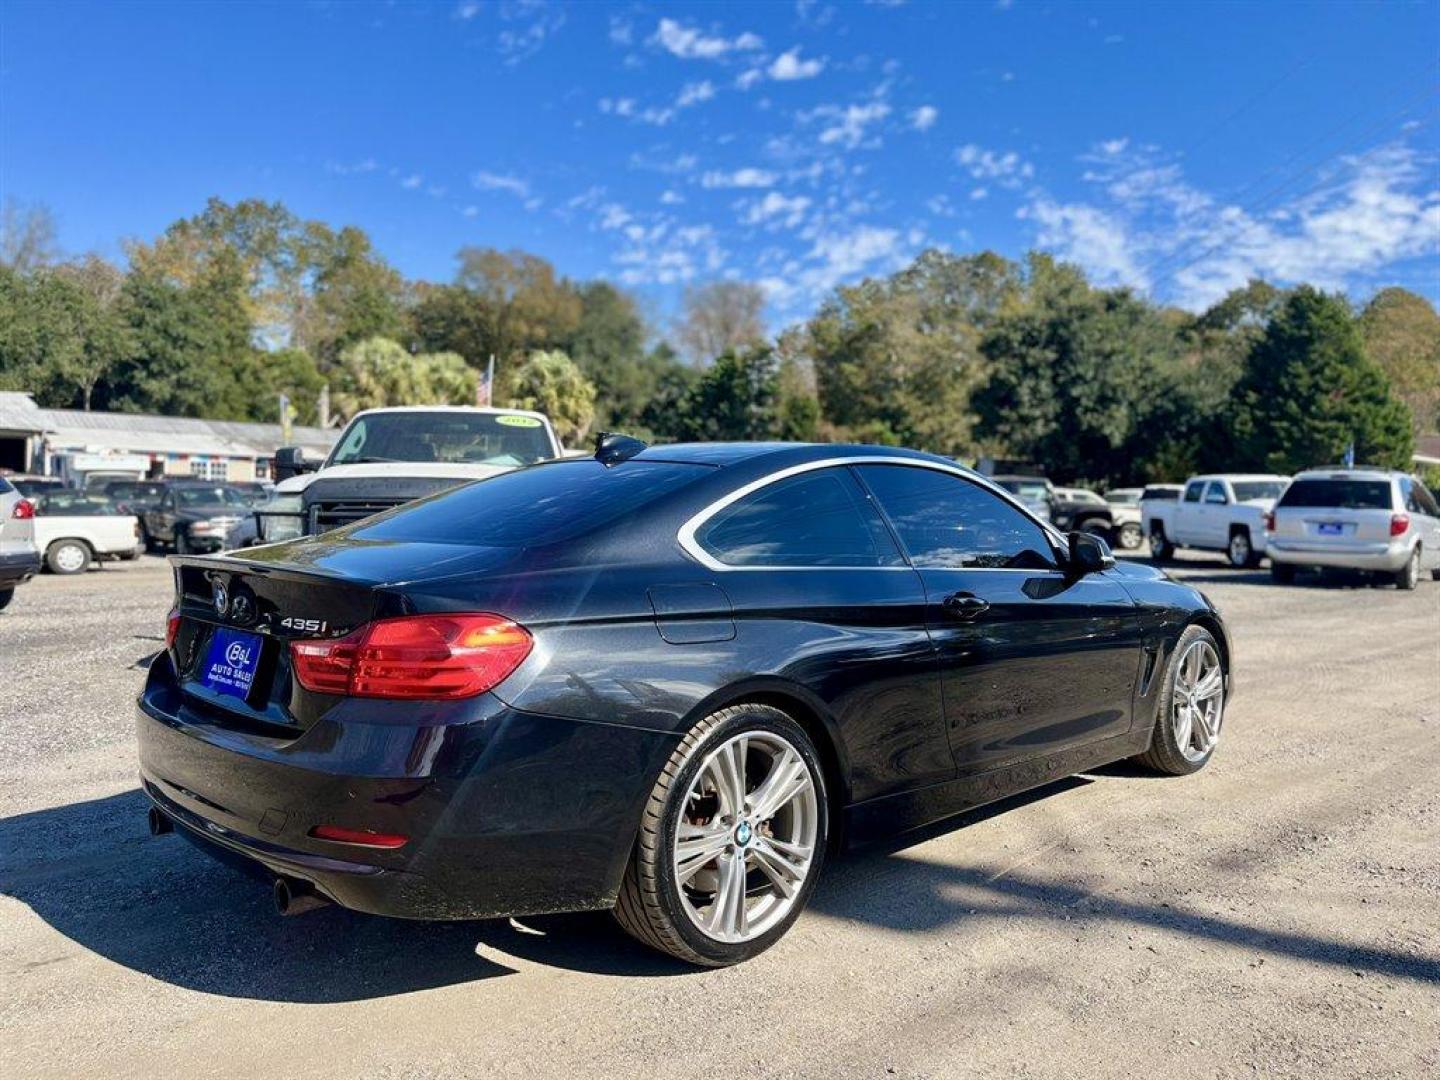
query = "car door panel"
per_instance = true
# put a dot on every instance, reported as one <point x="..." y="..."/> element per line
<point x="1032" y="659"/>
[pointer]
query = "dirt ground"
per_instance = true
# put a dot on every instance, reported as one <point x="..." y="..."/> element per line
<point x="1276" y="915"/>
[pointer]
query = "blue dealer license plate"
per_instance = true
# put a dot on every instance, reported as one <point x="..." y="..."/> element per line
<point x="230" y="663"/>
<point x="1332" y="528"/>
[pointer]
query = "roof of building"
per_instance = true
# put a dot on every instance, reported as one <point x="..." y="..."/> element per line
<point x="154" y="434"/>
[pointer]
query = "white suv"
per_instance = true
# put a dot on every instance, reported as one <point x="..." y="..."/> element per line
<point x="1359" y="519"/>
<point x="19" y="558"/>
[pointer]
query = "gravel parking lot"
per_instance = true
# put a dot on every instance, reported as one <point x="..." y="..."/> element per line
<point x="1276" y="915"/>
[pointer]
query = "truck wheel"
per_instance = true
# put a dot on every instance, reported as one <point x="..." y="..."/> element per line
<point x="1161" y="550"/>
<point x="68" y="557"/>
<point x="6" y="595"/>
<point x="1095" y="526"/>
<point x="1130" y="536"/>
<point x="182" y="543"/>
<point x="1240" y="552"/>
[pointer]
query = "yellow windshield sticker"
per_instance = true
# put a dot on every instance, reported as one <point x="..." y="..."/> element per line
<point x="518" y="421"/>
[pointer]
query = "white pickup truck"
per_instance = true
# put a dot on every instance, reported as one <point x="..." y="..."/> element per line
<point x="75" y="528"/>
<point x="386" y="457"/>
<point x="1223" y="512"/>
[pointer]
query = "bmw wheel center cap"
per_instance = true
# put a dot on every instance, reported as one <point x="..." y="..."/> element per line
<point x="743" y="833"/>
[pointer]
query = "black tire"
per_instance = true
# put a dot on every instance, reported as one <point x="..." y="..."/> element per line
<point x="1161" y="550"/>
<point x="68" y="557"/>
<point x="1240" y="550"/>
<point x="1130" y="536"/>
<point x="1409" y="577"/>
<point x="182" y="543"/>
<point x="128" y="556"/>
<point x="649" y="907"/>
<point x="6" y="595"/>
<point x="1282" y="573"/>
<point x="1095" y="526"/>
<point x="1164" y="755"/>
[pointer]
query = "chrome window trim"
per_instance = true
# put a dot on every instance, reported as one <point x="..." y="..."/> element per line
<point x="686" y="535"/>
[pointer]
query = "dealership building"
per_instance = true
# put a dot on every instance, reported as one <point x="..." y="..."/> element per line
<point x="69" y="442"/>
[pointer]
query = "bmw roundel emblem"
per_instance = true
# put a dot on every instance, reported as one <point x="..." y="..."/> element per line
<point x="221" y="598"/>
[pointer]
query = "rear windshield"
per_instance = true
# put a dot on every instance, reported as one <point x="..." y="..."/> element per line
<point x="5" y="487"/>
<point x="1245" y="490"/>
<point x="211" y="496"/>
<point x="533" y="507"/>
<point x="1160" y="494"/>
<point x="1339" y="494"/>
<point x="1030" y="490"/>
<point x="455" y="438"/>
<point x="77" y="504"/>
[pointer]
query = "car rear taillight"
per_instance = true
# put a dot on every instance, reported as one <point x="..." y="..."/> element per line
<point x="428" y="657"/>
<point x="172" y="628"/>
<point x="1399" y="524"/>
<point x="1270" y="521"/>
<point x="24" y="510"/>
<point x="359" y="837"/>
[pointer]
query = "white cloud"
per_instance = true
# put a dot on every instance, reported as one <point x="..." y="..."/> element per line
<point x="748" y="177"/>
<point x="940" y="206"/>
<point x="846" y="126"/>
<point x="411" y="182"/>
<point x="671" y="198"/>
<point x="1149" y="228"/>
<point x="979" y="193"/>
<point x="691" y="44"/>
<point x="694" y="93"/>
<point x="788" y="66"/>
<point x="1007" y="169"/>
<point x="488" y="181"/>
<point x="471" y="211"/>
<point x="923" y="118"/>
<point x="776" y="208"/>
<point x="527" y="25"/>
<point x="369" y="165"/>
<point x="746" y="79"/>
<point x="1111" y="147"/>
<point x="467" y="10"/>
<point x="622" y="32"/>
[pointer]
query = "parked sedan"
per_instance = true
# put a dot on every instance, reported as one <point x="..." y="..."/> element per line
<point x="193" y="515"/>
<point x="664" y="681"/>
<point x="1360" y="519"/>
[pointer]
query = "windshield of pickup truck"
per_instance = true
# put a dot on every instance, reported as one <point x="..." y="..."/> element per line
<point x="1245" y="490"/>
<point x="454" y="438"/>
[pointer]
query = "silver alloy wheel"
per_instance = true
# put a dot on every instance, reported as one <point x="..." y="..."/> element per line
<point x="1197" y="704"/>
<point x="1239" y="549"/>
<point x="69" y="558"/>
<point x="1130" y="536"/>
<point x="746" y="837"/>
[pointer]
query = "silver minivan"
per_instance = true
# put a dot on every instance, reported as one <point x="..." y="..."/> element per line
<point x="1360" y="519"/>
<point x="19" y="557"/>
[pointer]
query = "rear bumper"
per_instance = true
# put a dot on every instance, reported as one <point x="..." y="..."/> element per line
<point x="1380" y="557"/>
<point x="507" y="813"/>
<point x="18" y="566"/>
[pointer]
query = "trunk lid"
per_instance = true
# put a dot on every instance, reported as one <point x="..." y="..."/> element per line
<point x="238" y="616"/>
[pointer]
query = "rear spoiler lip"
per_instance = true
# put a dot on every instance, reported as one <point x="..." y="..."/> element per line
<point x="235" y="563"/>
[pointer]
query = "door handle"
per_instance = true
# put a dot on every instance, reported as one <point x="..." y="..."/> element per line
<point x="965" y="605"/>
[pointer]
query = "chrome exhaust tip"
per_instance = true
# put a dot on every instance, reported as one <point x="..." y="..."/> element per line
<point x="160" y="824"/>
<point x="295" y="897"/>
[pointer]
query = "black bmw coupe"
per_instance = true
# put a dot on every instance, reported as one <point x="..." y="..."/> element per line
<point x="661" y="680"/>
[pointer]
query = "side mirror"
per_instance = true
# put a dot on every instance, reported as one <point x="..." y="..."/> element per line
<point x="1089" y="554"/>
<point x="291" y="461"/>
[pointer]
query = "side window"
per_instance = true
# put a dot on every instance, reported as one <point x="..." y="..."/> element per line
<point x="818" y="518"/>
<point x="1426" y="499"/>
<point x="1215" y="494"/>
<point x="1193" y="490"/>
<point x="947" y="521"/>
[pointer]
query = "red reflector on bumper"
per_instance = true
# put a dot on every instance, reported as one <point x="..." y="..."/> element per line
<point x="358" y="837"/>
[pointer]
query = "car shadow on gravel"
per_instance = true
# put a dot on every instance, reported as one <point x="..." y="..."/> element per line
<point x="159" y="906"/>
<point x="897" y="889"/>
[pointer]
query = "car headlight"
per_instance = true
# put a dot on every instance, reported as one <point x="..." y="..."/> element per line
<point x="202" y="526"/>
<point x="282" y="517"/>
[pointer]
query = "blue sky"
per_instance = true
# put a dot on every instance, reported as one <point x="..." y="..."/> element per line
<point x="1175" y="148"/>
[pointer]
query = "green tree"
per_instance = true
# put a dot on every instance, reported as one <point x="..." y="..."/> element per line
<point x="378" y="372"/>
<point x="353" y="294"/>
<point x="1308" y="391"/>
<point x="552" y="383"/>
<point x="1074" y="374"/>
<point x="608" y="343"/>
<point x="521" y="304"/>
<point x="1401" y="332"/>
<point x="896" y="359"/>
<point x="736" y="398"/>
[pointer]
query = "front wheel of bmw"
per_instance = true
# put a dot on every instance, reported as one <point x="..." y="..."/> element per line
<point x="731" y="841"/>
<point x="1191" y="706"/>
